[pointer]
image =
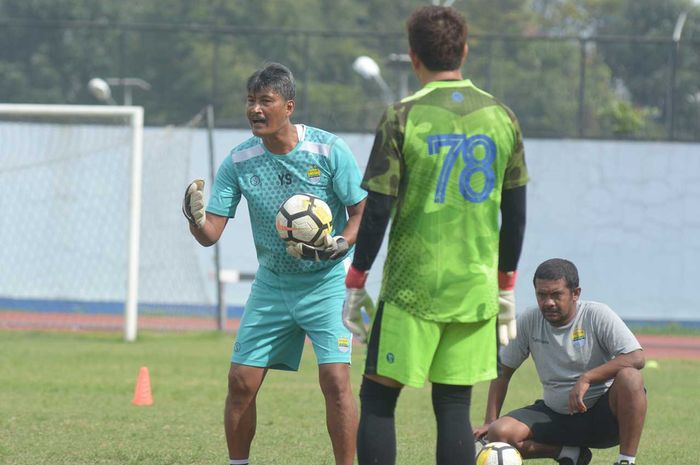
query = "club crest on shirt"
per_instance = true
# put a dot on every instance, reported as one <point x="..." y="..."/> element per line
<point x="314" y="174"/>
<point x="578" y="338"/>
<point x="343" y="344"/>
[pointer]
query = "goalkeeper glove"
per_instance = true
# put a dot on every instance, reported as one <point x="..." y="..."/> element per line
<point x="506" y="307"/>
<point x="332" y="248"/>
<point x="356" y="298"/>
<point x="193" y="203"/>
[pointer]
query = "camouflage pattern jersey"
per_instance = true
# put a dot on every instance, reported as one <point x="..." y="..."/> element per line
<point x="445" y="153"/>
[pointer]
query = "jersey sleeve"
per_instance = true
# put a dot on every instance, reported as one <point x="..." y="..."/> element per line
<point x="226" y="192"/>
<point x="346" y="174"/>
<point x="383" y="173"/>
<point x="516" y="169"/>
<point x="613" y="334"/>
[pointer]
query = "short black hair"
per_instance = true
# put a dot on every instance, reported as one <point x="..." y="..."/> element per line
<point x="275" y="77"/>
<point x="557" y="268"/>
<point x="437" y="35"/>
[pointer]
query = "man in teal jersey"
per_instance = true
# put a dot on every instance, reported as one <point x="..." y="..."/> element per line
<point x="446" y="161"/>
<point x="589" y="364"/>
<point x="298" y="290"/>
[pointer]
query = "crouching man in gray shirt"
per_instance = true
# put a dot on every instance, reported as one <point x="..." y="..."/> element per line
<point x="588" y="362"/>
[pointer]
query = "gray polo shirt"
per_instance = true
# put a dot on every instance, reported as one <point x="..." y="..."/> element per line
<point x="595" y="336"/>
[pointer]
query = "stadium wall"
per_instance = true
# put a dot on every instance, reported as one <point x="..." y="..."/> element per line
<point x="624" y="212"/>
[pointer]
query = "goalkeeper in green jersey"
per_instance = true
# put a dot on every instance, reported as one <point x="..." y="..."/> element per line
<point x="447" y="166"/>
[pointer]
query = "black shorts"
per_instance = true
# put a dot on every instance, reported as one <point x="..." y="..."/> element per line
<point x="596" y="428"/>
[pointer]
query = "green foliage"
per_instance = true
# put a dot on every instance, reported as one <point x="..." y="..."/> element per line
<point x="195" y="53"/>
<point x="622" y="118"/>
<point x="645" y="68"/>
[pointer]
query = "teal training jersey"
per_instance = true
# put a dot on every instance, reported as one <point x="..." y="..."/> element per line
<point x="321" y="164"/>
<point x="446" y="153"/>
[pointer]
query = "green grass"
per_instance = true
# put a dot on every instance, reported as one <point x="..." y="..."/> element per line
<point x="65" y="398"/>
<point x="668" y="329"/>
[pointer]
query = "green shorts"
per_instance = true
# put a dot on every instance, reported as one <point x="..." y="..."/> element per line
<point x="409" y="349"/>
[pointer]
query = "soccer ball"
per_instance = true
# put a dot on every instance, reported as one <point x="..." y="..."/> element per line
<point x="499" y="453"/>
<point x="304" y="218"/>
<point x="479" y="444"/>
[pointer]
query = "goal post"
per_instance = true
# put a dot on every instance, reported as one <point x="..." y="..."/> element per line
<point x="134" y="116"/>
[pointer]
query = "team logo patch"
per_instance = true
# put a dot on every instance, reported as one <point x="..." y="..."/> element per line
<point x="314" y="174"/>
<point x="343" y="344"/>
<point x="578" y="338"/>
<point x="254" y="180"/>
<point x="236" y="347"/>
<point x="457" y="97"/>
<point x="390" y="357"/>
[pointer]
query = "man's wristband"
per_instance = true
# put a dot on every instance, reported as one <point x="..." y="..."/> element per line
<point x="355" y="278"/>
<point x="506" y="280"/>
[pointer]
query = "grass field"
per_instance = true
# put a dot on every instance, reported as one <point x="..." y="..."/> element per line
<point x="65" y="398"/>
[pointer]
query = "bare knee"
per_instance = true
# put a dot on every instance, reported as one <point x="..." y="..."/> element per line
<point x="627" y="390"/>
<point x="507" y="429"/>
<point x="334" y="380"/>
<point x="243" y="384"/>
<point x="629" y="380"/>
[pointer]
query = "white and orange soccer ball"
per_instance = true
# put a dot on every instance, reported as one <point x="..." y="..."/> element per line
<point x="498" y="453"/>
<point x="304" y="218"/>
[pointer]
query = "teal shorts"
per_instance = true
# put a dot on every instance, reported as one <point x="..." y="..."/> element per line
<point x="283" y="309"/>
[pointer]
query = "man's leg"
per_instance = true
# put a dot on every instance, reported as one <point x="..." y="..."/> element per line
<point x="239" y="411"/>
<point x="517" y="434"/>
<point x="516" y="429"/>
<point x="628" y="402"/>
<point x="341" y="411"/>
<point x="376" y="437"/>
<point x="455" y="440"/>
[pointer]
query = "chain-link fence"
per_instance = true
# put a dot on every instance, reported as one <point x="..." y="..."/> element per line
<point x="560" y="87"/>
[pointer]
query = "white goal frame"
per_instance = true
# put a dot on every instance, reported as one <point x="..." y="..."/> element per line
<point x="134" y="114"/>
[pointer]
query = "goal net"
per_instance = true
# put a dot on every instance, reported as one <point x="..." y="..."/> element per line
<point x="91" y="228"/>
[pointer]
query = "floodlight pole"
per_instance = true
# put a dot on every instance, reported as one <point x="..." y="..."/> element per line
<point x="403" y="62"/>
<point x="221" y="315"/>
<point x="128" y="84"/>
<point x="369" y="69"/>
<point x="100" y="88"/>
<point x="675" y="48"/>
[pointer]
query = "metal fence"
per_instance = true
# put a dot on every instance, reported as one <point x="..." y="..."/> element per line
<point x="560" y="87"/>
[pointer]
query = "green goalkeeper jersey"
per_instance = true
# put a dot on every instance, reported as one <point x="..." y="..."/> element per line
<point x="445" y="153"/>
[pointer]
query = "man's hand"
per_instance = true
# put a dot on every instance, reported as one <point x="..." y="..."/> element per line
<point x="356" y="298"/>
<point x="332" y="248"/>
<point x="506" y="307"/>
<point x="576" y="404"/>
<point x="193" y="203"/>
<point x="480" y="432"/>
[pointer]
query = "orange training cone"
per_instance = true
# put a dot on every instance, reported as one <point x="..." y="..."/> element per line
<point x="142" y="392"/>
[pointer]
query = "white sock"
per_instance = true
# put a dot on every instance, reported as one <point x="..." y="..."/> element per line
<point x="570" y="452"/>
<point x="238" y="461"/>
<point x="629" y="458"/>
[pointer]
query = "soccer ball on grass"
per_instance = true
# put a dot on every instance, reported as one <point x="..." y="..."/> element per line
<point x="304" y="218"/>
<point x="499" y="453"/>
